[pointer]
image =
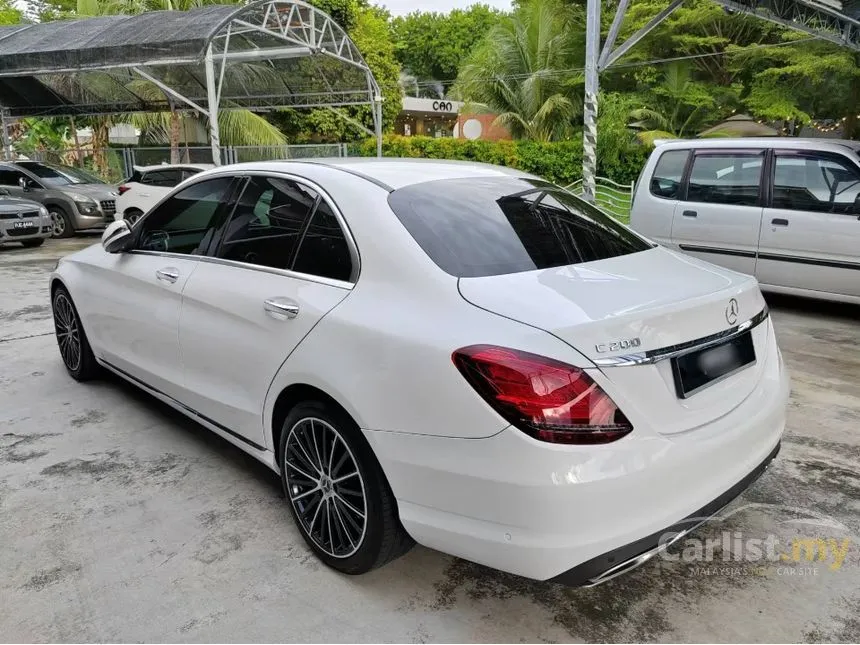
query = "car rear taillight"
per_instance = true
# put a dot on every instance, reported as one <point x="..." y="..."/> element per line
<point x="123" y="189"/>
<point x="548" y="400"/>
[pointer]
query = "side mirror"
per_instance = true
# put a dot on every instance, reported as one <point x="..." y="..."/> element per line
<point x="117" y="237"/>
<point x="23" y="183"/>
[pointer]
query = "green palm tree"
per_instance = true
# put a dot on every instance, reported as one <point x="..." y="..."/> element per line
<point x="676" y="107"/>
<point x="522" y="71"/>
<point x="237" y="127"/>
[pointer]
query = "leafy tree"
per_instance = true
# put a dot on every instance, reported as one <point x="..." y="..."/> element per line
<point x="9" y="13"/>
<point x="344" y="12"/>
<point x="678" y="105"/>
<point x="432" y="45"/>
<point x="522" y="71"/>
<point x="799" y="82"/>
<point x="372" y="35"/>
<point x="42" y="134"/>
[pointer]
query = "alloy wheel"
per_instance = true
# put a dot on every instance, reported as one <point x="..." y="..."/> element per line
<point x="325" y="487"/>
<point x="68" y="331"/>
<point x="58" y="224"/>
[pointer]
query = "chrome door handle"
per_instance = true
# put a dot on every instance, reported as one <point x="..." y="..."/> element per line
<point x="169" y="275"/>
<point x="281" y="308"/>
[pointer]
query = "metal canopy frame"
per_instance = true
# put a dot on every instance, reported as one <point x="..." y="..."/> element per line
<point x="824" y="19"/>
<point x="264" y="55"/>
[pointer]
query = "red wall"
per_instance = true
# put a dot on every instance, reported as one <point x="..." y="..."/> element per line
<point x="489" y="132"/>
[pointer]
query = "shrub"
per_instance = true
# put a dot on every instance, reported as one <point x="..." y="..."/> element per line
<point x="559" y="162"/>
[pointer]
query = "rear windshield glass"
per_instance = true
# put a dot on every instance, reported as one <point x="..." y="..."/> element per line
<point x="491" y="226"/>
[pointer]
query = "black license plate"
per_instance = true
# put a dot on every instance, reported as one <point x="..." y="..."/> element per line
<point x="24" y="225"/>
<point x="705" y="367"/>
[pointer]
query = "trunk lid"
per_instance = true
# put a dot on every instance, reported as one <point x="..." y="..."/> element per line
<point x="642" y="301"/>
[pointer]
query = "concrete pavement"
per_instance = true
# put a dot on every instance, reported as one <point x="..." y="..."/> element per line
<point x="120" y="520"/>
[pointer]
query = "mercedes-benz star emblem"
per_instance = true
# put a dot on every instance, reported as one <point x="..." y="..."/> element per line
<point x="732" y="312"/>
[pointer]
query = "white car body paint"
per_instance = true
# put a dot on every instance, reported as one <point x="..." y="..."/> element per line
<point x="142" y="196"/>
<point x="466" y="481"/>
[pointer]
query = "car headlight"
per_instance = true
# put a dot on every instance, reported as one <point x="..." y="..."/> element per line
<point x="86" y="205"/>
<point x="43" y="212"/>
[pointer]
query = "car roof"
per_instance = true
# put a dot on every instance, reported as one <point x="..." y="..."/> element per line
<point x="792" y="143"/>
<point x="389" y="172"/>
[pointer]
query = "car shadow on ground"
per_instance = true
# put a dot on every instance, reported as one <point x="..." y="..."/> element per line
<point x="208" y="440"/>
<point x="804" y="305"/>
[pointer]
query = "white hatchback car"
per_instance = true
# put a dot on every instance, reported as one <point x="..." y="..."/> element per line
<point x="148" y="185"/>
<point x="457" y="354"/>
<point x="782" y="209"/>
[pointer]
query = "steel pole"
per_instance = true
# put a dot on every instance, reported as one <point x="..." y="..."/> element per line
<point x="589" y="108"/>
<point x="378" y="127"/>
<point x="7" y="144"/>
<point x="212" y="104"/>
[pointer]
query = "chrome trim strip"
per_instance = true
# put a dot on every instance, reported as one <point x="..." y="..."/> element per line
<point x="252" y="267"/>
<point x="642" y="558"/>
<point x="655" y="355"/>
<point x="189" y="412"/>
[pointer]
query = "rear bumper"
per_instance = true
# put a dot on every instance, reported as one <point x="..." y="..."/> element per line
<point x="541" y="510"/>
<point x="626" y="558"/>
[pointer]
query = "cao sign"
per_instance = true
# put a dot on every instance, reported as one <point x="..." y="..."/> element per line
<point x="443" y="106"/>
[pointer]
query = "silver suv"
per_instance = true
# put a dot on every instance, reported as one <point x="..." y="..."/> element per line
<point x="75" y="199"/>
<point x="22" y="220"/>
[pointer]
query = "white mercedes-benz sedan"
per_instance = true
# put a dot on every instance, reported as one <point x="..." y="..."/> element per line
<point x="455" y="354"/>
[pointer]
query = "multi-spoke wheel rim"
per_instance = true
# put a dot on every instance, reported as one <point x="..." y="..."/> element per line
<point x="132" y="218"/>
<point x="68" y="331"/>
<point x="58" y="224"/>
<point x="325" y="487"/>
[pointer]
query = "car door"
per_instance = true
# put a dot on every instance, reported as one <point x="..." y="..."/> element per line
<point x="133" y="299"/>
<point x="810" y="234"/>
<point x="283" y="263"/>
<point x="719" y="217"/>
<point x="655" y="201"/>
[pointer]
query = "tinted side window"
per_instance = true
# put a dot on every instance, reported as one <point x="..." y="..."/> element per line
<point x="324" y="251"/>
<point x="186" y="222"/>
<point x="189" y="172"/>
<point x="668" y="174"/>
<point x="164" y="178"/>
<point x="9" y="177"/>
<point x="492" y="226"/>
<point x="815" y="183"/>
<point x="726" y="179"/>
<point x="268" y="222"/>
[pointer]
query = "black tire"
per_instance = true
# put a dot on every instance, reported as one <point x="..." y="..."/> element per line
<point x="32" y="243"/>
<point x="132" y="215"/>
<point x="61" y="223"/>
<point x="70" y="335"/>
<point x="353" y="546"/>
